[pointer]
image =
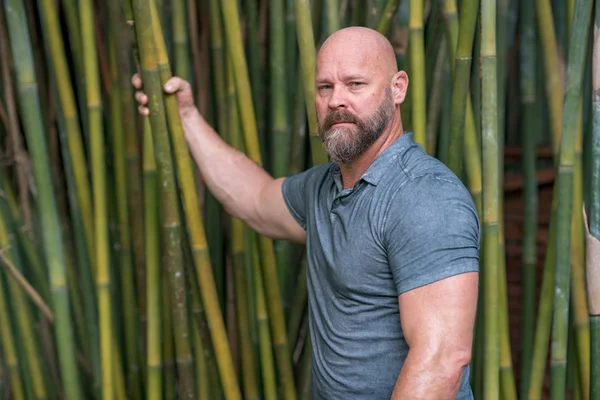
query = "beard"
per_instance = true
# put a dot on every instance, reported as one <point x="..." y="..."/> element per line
<point x="344" y="144"/>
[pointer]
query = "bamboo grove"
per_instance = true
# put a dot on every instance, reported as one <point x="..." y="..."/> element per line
<point x="121" y="276"/>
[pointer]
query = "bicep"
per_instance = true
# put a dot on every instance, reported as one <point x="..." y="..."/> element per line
<point x="438" y="319"/>
<point x="274" y="217"/>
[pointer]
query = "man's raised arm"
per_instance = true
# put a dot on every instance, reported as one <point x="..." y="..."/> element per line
<point x="245" y="190"/>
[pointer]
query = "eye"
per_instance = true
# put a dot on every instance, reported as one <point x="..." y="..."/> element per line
<point x="356" y="84"/>
<point x="324" y="87"/>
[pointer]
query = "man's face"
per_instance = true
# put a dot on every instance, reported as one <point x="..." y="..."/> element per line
<point x="354" y="103"/>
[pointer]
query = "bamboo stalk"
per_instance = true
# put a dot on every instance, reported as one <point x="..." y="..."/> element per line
<point x="23" y="318"/>
<point x="213" y="207"/>
<point x="130" y="313"/>
<point x="196" y="230"/>
<point x="489" y="123"/>
<point x="53" y="247"/>
<point x="306" y="46"/>
<point x="544" y="317"/>
<point x="9" y="348"/>
<point x="527" y="52"/>
<point x="460" y="90"/>
<point x="96" y="131"/>
<point x="554" y="86"/>
<point x="269" y="271"/>
<point x="593" y="232"/>
<point x="146" y="29"/>
<point x="417" y="57"/>
<point x="331" y="12"/>
<point x="67" y="104"/>
<point x="391" y="6"/>
<point x="579" y="306"/>
<point x="565" y="202"/>
<point x="181" y="53"/>
<point x="472" y="152"/>
<point x="154" y="335"/>
<point x="264" y="336"/>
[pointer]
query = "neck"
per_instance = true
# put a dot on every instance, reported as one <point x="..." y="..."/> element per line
<point x="352" y="171"/>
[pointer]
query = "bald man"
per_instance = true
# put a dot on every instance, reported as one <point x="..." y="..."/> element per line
<point x="392" y="236"/>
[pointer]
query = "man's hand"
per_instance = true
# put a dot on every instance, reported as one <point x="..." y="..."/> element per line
<point x="180" y="87"/>
<point x="438" y="322"/>
<point x="245" y="190"/>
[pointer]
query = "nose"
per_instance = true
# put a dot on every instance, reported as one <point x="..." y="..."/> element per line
<point x="338" y="98"/>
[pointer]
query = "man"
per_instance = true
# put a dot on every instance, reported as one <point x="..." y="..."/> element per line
<point x="392" y="235"/>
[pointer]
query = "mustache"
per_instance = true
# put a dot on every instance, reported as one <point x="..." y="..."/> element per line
<point x="338" y="116"/>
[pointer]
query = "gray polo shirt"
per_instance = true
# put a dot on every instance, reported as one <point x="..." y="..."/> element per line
<point x="409" y="221"/>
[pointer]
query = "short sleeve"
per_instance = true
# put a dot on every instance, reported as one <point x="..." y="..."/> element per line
<point x="431" y="232"/>
<point x="296" y="189"/>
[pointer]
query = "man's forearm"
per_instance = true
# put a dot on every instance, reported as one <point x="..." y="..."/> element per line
<point x="229" y="174"/>
<point x="427" y="378"/>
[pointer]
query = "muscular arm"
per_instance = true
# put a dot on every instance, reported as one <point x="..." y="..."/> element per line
<point x="437" y="321"/>
<point x="245" y="190"/>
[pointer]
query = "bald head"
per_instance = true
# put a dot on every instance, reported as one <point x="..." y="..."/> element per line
<point x="360" y="45"/>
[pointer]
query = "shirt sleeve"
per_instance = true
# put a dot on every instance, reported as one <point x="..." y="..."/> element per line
<point x="296" y="189"/>
<point x="431" y="232"/>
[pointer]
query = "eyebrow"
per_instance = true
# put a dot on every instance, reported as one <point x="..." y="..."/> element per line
<point x="348" y="78"/>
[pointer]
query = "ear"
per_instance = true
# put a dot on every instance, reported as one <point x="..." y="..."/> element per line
<point x="399" y="86"/>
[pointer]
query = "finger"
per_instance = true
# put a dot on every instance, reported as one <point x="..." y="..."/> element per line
<point x="141" y="97"/>
<point x="144" y="110"/>
<point x="176" y="84"/>
<point x="136" y="81"/>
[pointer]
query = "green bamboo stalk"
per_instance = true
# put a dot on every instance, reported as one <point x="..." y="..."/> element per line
<point x="280" y="124"/>
<point x="417" y="57"/>
<point x="122" y="192"/>
<point x="247" y="351"/>
<point x="304" y="370"/>
<point x="255" y="69"/>
<point x="53" y="247"/>
<point x="579" y="306"/>
<point x="306" y="45"/>
<point x="331" y="13"/>
<point x="202" y="382"/>
<point x="280" y="132"/>
<point x="152" y="245"/>
<point x="527" y="53"/>
<point x="181" y="50"/>
<point x="197" y="235"/>
<point x="264" y="336"/>
<point x="391" y="6"/>
<point x="435" y="99"/>
<point x="460" y="90"/>
<point x="213" y="208"/>
<point x="146" y="29"/>
<point x="544" y="317"/>
<point x="269" y="271"/>
<point x="554" y="86"/>
<point x="23" y="318"/>
<point x="60" y="70"/>
<point x="96" y="131"/>
<point x="134" y="158"/>
<point x="508" y="389"/>
<point x="593" y="232"/>
<point x="168" y="351"/>
<point x="472" y="151"/>
<point x="298" y="306"/>
<point x="9" y="348"/>
<point x="238" y="254"/>
<point x="565" y="202"/>
<point x="489" y="123"/>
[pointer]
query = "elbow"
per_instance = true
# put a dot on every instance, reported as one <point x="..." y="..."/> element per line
<point x="452" y="364"/>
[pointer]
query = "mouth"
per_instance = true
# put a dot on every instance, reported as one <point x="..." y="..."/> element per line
<point x="341" y="123"/>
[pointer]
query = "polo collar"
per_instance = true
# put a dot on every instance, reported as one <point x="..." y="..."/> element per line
<point x="378" y="168"/>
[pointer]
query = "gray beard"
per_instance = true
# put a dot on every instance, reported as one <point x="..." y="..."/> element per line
<point x="346" y="144"/>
